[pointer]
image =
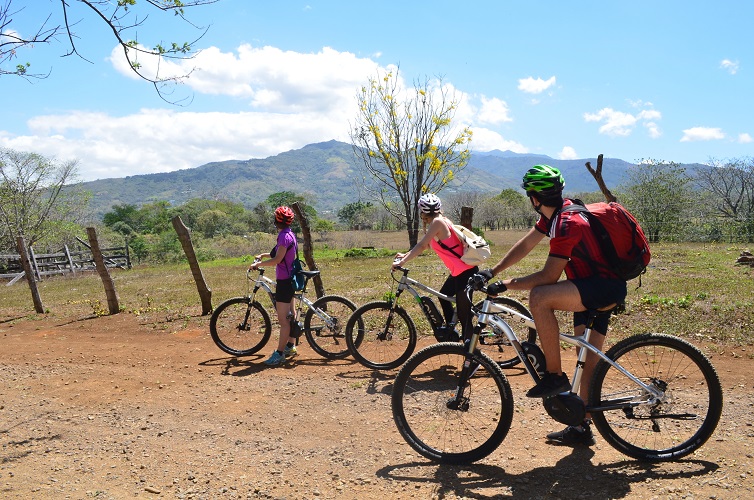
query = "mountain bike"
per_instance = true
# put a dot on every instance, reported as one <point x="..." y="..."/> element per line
<point x="382" y="335"/>
<point x="241" y="326"/>
<point x="653" y="397"/>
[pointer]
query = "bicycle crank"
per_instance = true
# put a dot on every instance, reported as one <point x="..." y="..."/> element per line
<point x="567" y="409"/>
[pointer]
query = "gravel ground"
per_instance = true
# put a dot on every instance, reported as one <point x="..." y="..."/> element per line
<point x="111" y="408"/>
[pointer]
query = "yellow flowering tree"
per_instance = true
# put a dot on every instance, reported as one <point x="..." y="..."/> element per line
<point x="407" y="144"/>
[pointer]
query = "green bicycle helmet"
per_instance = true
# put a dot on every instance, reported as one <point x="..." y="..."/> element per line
<point x="543" y="179"/>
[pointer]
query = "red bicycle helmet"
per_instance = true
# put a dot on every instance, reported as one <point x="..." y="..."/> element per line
<point x="284" y="215"/>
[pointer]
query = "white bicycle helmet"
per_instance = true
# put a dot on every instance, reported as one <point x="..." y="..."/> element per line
<point x="430" y="204"/>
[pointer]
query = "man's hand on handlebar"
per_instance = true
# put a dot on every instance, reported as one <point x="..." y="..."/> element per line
<point x="480" y="279"/>
<point x="496" y="288"/>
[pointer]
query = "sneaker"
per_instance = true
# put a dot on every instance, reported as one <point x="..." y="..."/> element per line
<point x="290" y="352"/>
<point x="550" y="385"/>
<point x="275" y="359"/>
<point x="573" y="435"/>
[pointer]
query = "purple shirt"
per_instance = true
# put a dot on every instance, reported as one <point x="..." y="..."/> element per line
<point x="287" y="242"/>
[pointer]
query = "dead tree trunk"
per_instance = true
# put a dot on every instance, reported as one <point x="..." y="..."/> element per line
<point x="113" y="303"/>
<point x="597" y="174"/>
<point x="308" y="248"/>
<point x="205" y="293"/>
<point x="29" y="272"/>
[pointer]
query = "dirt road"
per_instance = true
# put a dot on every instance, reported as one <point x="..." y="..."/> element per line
<point x="111" y="408"/>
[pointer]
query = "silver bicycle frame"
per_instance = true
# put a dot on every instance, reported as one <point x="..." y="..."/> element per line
<point x="410" y="284"/>
<point x="265" y="283"/>
<point x="487" y="315"/>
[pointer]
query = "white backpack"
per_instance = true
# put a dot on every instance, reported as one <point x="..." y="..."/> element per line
<point x="475" y="249"/>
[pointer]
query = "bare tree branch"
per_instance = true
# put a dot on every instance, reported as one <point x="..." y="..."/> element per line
<point x="597" y="174"/>
<point x="122" y="17"/>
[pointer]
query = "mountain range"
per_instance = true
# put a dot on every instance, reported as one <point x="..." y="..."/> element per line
<point x="329" y="175"/>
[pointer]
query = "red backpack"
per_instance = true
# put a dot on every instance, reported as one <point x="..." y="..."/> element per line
<point x="620" y="237"/>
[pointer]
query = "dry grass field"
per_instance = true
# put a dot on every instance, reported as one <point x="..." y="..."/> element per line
<point x="692" y="290"/>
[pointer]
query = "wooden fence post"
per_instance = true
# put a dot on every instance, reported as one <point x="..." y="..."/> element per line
<point x="113" y="303"/>
<point x="34" y="266"/>
<point x="184" y="235"/>
<point x="26" y="264"/>
<point x="70" y="260"/>
<point x="467" y="217"/>
<point x="308" y="248"/>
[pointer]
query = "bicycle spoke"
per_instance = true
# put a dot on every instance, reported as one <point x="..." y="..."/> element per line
<point x="676" y="424"/>
<point x="442" y="424"/>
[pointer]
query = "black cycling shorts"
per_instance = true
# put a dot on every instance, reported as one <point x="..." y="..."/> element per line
<point x="597" y="292"/>
<point x="284" y="291"/>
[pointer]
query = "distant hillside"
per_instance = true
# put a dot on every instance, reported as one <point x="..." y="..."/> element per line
<point x="328" y="173"/>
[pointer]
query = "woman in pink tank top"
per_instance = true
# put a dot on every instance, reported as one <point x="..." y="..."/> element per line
<point x="442" y="239"/>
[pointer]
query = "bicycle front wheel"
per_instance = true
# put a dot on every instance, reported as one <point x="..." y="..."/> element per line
<point x="672" y="427"/>
<point x="240" y="327"/>
<point x="494" y="342"/>
<point x="326" y="335"/>
<point x="442" y="425"/>
<point x="380" y="337"/>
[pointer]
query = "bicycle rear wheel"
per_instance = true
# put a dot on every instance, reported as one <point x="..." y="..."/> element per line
<point x="380" y="337"/>
<point x="240" y="327"/>
<point x="423" y="405"/>
<point x="494" y="343"/>
<point x="682" y="421"/>
<point x="328" y="341"/>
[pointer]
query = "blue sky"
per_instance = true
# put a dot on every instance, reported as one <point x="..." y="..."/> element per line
<point x="667" y="80"/>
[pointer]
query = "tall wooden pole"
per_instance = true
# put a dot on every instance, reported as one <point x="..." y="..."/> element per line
<point x="26" y="264"/>
<point x="205" y="293"/>
<point x="113" y="302"/>
<point x="308" y="248"/>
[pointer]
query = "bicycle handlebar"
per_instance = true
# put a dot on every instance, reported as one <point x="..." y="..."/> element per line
<point x="248" y="271"/>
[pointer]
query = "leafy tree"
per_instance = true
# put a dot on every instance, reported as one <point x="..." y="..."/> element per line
<point x="139" y="247"/>
<point x="37" y="197"/>
<point x="156" y="217"/>
<point x="124" y="18"/>
<point x="659" y="195"/>
<point x="356" y="214"/>
<point x="124" y="214"/>
<point x="193" y="208"/>
<point x="323" y="227"/>
<point x="213" y="223"/>
<point x="406" y="143"/>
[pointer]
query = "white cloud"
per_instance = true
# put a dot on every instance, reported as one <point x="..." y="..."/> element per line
<point x="745" y="138"/>
<point x="567" y="153"/>
<point x="729" y="66"/>
<point x="294" y="99"/>
<point x="493" y="111"/>
<point x="291" y="99"/>
<point x="702" y="134"/>
<point x="535" y="85"/>
<point x="620" y="124"/>
<point x="485" y="139"/>
<point x="270" y="78"/>
<point x="166" y="140"/>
